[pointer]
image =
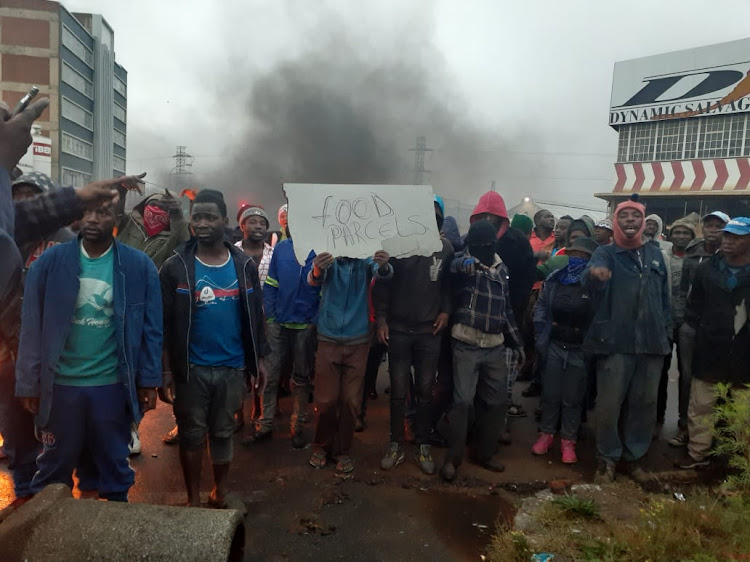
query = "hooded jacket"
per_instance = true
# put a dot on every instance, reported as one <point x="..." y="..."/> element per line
<point x="131" y="231"/>
<point x="451" y="232"/>
<point x="491" y="202"/>
<point x="513" y="248"/>
<point x="177" y="277"/>
<point x="52" y="286"/>
<point x="579" y="224"/>
<point x="720" y="316"/>
<point x="659" y="238"/>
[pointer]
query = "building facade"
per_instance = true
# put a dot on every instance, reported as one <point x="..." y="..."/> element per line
<point x="683" y="123"/>
<point x="71" y="58"/>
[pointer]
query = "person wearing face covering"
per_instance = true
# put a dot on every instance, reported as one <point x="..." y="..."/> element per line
<point x="156" y="226"/>
<point x="483" y="326"/>
<point x="411" y="311"/>
<point x="630" y="335"/>
<point x="561" y="317"/>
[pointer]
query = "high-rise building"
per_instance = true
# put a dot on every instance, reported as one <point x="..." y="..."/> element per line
<point x="71" y="58"/>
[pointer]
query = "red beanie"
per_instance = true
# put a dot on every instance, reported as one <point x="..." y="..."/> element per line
<point x="619" y="235"/>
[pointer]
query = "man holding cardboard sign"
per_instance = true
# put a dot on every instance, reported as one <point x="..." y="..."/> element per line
<point x="355" y="230"/>
<point x="343" y="343"/>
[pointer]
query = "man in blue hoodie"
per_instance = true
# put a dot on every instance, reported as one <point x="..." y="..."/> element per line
<point x="344" y="333"/>
<point x="291" y="307"/>
<point x="89" y="358"/>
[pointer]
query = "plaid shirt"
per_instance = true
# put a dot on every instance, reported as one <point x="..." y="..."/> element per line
<point x="38" y="217"/>
<point x="482" y="301"/>
<point x="35" y="219"/>
<point x="265" y="261"/>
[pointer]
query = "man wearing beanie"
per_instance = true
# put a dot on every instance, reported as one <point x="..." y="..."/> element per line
<point x="483" y="326"/>
<point x="254" y="224"/>
<point x="630" y="335"/>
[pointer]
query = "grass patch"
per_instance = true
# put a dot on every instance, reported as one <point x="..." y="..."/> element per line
<point x="575" y="506"/>
<point x="703" y="529"/>
<point x="510" y="545"/>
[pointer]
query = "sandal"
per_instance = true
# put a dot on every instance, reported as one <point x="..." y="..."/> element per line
<point x="344" y="465"/>
<point x="318" y="459"/>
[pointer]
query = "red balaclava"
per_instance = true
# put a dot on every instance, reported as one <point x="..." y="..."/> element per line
<point x="620" y="238"/>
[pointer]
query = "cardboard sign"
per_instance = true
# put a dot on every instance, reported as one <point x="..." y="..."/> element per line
<point x="357" y="220"/>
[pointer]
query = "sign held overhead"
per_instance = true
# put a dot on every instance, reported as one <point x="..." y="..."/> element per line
<point x="355" y="221"/>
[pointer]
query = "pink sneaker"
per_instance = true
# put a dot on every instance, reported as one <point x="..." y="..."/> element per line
<point x="543" y="444"/>
<point x="568" y="447"/>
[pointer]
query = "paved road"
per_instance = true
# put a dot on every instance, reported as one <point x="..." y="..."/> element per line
<point x="298" y="513"/>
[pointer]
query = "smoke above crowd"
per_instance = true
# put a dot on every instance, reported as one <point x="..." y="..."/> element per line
<point x="347" y="107"/>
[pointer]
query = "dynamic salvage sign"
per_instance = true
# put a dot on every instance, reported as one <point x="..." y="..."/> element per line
<point x="357" y="220"/>
<point x="709" y="80"/>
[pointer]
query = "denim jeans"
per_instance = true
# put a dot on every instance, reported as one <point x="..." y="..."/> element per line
<point x="564" y="379"/>
<point x="17" y="428"/>
<point x="626" y="405"/>
<point x="405" y="351"/>
<point x="481" y="374"/>
<point x="205" y="406"/>
<point x="286" y="344"/>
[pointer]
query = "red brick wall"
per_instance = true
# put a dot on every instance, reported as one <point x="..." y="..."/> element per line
<point x="22" y="68"/>
<point x="25" y="32"/>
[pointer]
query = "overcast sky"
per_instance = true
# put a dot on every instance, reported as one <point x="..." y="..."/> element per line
<point x="516" y="92"/>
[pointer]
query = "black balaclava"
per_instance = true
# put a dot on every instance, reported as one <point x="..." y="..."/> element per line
<point x="480" y="242"/>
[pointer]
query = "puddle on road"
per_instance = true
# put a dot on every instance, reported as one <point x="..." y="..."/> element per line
<point x="466" y="522"/>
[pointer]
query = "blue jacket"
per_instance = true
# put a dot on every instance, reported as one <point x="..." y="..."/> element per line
<point x="344" y="315"/>
<point x="48" y="307"/>
<point x="287" y="297"/>
<point x="632" y="310"/>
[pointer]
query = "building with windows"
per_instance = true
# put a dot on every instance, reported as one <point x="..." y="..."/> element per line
<point x="683" y="121"/>
<point x="71" y="58"/>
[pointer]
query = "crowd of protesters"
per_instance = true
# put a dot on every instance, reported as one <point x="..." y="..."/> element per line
<point x="119" y="306"/>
